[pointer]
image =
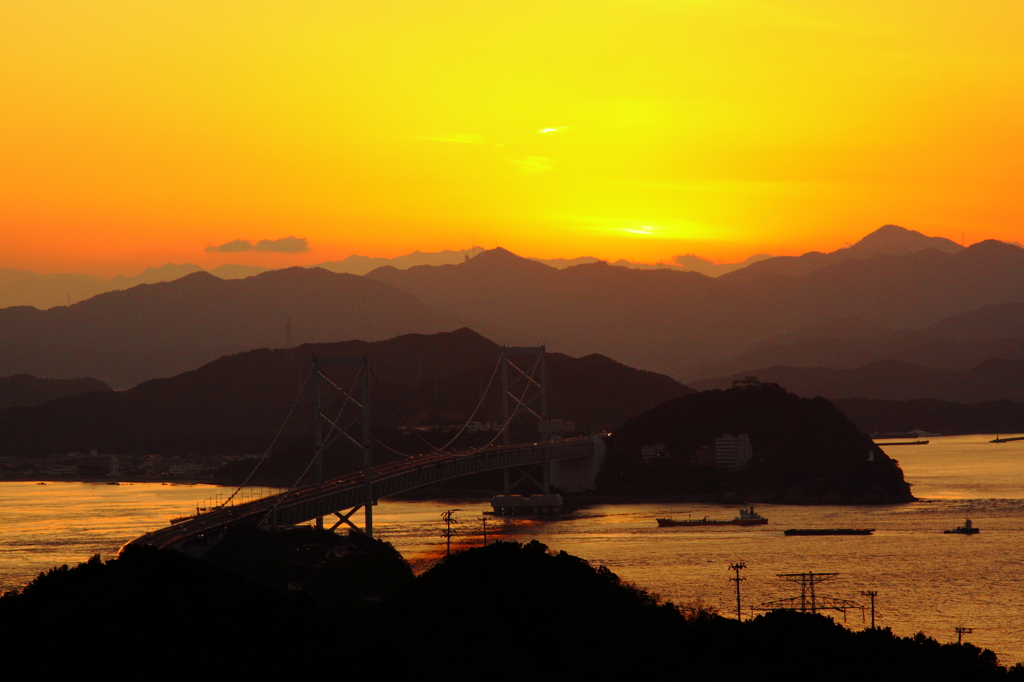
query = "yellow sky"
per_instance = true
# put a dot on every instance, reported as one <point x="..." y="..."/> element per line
<point x="139" y="132"/>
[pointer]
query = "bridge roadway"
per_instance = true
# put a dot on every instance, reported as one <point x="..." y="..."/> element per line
<point x="349" y="491"/>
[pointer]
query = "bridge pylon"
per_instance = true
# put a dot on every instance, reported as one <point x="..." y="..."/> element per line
<point x="362" y="379"/>
<point x="528" y="387"/>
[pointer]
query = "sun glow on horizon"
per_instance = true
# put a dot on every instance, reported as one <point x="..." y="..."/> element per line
<point x="139" y="133"/>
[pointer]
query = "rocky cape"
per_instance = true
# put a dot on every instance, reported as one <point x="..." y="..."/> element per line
<point x="805" y="451"/>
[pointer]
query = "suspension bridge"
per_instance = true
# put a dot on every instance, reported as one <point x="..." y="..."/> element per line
<point x="570" y="464"/>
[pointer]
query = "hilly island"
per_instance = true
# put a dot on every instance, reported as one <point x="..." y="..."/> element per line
<point x="804" y="451"/>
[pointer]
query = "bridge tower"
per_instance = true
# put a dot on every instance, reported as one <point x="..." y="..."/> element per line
<point x="530" y="392"/>
<point x="362" y="363"/>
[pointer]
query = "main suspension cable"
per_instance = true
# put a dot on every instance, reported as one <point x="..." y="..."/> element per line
<point x="266" y="454"/>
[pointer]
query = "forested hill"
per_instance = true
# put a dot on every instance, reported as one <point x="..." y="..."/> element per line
<point x="804" y="451"/>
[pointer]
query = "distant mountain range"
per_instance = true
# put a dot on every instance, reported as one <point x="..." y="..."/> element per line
<point x="667" y="320"/>
<point x="163" y="329"/>
<point x="893" y="296"/>
<point x="933" y="416"/>
<point x="237" y="403"/>
<point x="888" y="240"/>
<point x="25" y="288"/>
<point x="994" y="379"/>
<point x="958" y="342"/>
<point x="22" y="390"/>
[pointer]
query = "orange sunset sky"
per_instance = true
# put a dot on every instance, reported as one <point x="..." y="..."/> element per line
<point x="140" y="132"/>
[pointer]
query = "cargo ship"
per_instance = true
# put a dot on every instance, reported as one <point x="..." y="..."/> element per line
<point x="747" y="517"/>
<point x="829" y="531"/>
<point x="967" y="529"/>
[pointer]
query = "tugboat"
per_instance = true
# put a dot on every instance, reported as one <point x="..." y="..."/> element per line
<point x="967" y="529"/>
<point x="747" y="517"/>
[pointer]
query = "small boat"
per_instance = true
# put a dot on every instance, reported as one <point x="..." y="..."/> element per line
<point x="903" y="442"/>
<point x="1006" y="440"/>
<point x="967" y="529"/>
<point x="829" y="531"/>
<point x="747" y="517"/>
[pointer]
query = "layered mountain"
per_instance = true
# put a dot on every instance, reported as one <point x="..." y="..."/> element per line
<point x="933" y="416"/>
<point x="22" y="287"/>
<point x="163" y="329"/>
<point x="238" y="403"/>
<point x="22" y="390"/>
<point x="993" y="379"/>
<point x="661" y="319"/>
<point x="888" y="240"/>
<point x="804" y="451"/>
<point x="958" y="343"/>
<point x="665" y="320"/>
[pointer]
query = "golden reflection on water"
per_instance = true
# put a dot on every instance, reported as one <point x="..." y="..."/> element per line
<point x="926" y="580"/>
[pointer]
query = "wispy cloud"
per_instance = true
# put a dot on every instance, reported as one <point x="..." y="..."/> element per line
<point x="548" y="131"/>
<point x="535" y="164"/>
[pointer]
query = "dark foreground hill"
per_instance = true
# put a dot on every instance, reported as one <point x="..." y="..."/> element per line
<point x="805" y="451"/>
<point x="163" y="329"/>
<point x="502" y="612"/>
<point x="22" y="390"/>
<point x="238" y="403"/>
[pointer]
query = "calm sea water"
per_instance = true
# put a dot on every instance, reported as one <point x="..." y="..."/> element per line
<point x="926" y="580"/>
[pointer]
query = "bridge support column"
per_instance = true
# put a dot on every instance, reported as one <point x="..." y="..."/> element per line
<point x="367" y="459"/>
<point x="318" y="462"/>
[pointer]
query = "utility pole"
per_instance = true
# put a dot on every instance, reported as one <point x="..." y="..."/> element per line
<point x="871" y="594"/>
<point x="484" y="519"/>
<point x="449" y="518"/>
<point x="960" y="632"/>
<point x="737" y="567"/>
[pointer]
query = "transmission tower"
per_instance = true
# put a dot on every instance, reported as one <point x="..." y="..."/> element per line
<point x="808" y="593"/>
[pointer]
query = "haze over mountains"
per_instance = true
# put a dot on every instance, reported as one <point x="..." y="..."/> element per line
<point x="895" y="296"/>
<point x="157" y="330"/>
<point x="22" y="287"/>
<point x="668" y="321"/>
<point x="993" y="379"/>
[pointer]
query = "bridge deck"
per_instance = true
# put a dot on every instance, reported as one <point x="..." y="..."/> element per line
<point x="313" y="501"/>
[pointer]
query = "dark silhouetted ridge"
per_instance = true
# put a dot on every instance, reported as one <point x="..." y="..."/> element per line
<point x="23" y="390"/>
<point x="237" y="403"/>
